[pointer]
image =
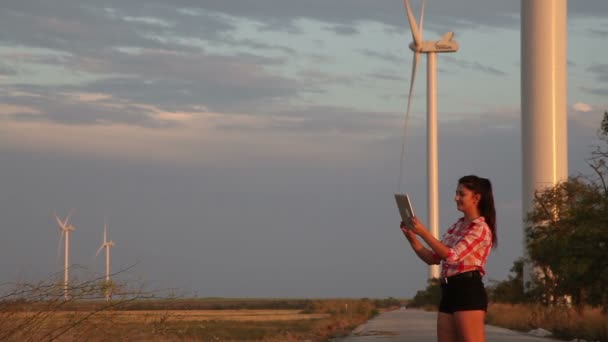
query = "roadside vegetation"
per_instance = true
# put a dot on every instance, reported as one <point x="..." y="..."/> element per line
<point x="567" y="235"/>
<point x="39" y="312"/>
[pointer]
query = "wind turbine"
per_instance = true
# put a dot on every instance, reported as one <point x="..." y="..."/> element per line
<point x="65" y="227"/>
<point x="430" y="48"/>
<point x="106" y="244"/>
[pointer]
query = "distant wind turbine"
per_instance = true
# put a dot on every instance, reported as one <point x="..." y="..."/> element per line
<point x="65" y="227"/>
<point x="430" y="48"/>
<point x="106" y="244"/>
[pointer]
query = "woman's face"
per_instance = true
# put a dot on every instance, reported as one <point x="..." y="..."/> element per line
<point x="466" y="200"/>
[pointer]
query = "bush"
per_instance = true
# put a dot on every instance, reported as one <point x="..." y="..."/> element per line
<point x="428" y="298"/>
<point x="510" y="290"/>
<point x="386" y="303"/>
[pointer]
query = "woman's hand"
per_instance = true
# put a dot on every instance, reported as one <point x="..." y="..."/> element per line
<point x="416" y="226"/>
<point x="409" y="234"/>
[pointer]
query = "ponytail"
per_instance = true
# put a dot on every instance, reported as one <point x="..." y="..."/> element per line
<point x="483" y="187"/>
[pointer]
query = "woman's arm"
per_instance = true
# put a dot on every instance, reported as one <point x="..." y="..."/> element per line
<point x="439" y="248"/>
<point x="422" y="252"/>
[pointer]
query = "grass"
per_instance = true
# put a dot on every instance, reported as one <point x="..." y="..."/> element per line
<point x="208" y="319"/>
<point x="564" y="323"/>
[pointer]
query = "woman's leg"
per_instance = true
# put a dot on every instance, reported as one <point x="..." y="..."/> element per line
<point x="470" y="325"/>
<point x="446" y="328"/>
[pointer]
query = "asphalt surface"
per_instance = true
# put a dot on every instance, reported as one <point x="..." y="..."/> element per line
<point x="406" y="325"/>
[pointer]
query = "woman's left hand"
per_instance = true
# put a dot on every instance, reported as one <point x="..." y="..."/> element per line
<point x="410" y="235"/>
<point x="416" y="226"/>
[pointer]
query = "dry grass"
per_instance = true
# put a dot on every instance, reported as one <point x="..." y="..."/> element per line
<point x="315" y="320"/>
<point x="565" y="323"/>
<point x="149" y="316"/>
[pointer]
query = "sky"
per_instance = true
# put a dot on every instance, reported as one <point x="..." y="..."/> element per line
<point x="252" y="148"/>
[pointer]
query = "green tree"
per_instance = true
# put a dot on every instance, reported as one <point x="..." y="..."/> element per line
<point x="567" y="234"/>
<point x="427" y="298"/>
<point x="512" y="289"/>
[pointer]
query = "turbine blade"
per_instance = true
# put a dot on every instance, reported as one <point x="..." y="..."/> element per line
<point x="415" y="61"/>
<point x="59" y="245"/>
<point x="105" y="233"/>
<point x="413" y="25"/>
<point x="59" y="222"/>
<point x="67" y="218"/>
<point x="422" y="20"/>
<point x="99" y="250"/>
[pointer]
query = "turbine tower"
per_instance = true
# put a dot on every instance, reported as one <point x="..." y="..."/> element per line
<point x="65" y="227"/>
<point x="430" y="48"/>
<point x="544" y="122"/>
<point x="106" y="244"/>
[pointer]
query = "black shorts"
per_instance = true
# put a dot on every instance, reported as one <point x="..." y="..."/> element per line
<point x="463" y="294"/>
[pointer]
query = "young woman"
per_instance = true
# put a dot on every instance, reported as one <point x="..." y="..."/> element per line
<point x="462" y="253"/>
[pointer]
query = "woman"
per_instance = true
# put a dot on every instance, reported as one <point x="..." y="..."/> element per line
<point x="462" y="252"/>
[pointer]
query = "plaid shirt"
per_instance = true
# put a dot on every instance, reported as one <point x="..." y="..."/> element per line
<point x="469" y="247"/>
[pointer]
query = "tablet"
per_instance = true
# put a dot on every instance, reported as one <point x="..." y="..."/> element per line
<point x="405" y="207"/>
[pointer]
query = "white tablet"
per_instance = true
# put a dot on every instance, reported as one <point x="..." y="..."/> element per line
<point x="405" y="207"/>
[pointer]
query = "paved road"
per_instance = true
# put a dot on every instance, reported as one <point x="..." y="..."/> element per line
<point x="419" y="326"/>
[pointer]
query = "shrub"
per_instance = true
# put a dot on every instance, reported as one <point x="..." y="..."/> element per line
<point x="428" y="298"/>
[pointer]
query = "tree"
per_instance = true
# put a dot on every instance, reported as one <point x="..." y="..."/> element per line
<point x="427" y="298"/>
<point x="567" y="234"/>
<point x="597" y="161"/>
<point x="512" y="289"/>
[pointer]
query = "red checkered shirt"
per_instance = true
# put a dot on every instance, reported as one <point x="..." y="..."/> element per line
<point x="469" y="247"/>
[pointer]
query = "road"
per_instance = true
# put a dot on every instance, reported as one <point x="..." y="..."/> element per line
<point x="407" y="325"/>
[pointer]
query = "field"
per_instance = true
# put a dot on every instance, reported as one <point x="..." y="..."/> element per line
<point x="212" y="319"/>
<point x="565" y="323"/>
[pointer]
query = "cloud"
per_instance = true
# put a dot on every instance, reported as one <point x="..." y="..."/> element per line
<point x="174" y="78"/>
<point x="344" y="30"/>
<point x="315" y="77"/>
<point x="77" y="108"/>
<point x="148" y="64"/>
<point x="387" y="56"/>
<point x="582" y="107"/>
<point x="599" y="71"/>
<point x="595" y="90"/>
<point x="591" y="8"/>
<point x="8" y="110"/>
<point x="388" y="76"/>
<point x="598" y="33"/>
<point x="475" y="66"/>
<point x="7" y="70"/>
<point x="202" y="137"/>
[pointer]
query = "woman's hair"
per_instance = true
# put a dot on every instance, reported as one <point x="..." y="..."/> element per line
<point x="483" y="187"/>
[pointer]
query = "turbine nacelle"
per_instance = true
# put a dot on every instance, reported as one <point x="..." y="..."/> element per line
<point x="445" y="44"/>
<point x="64" y="225"/>
<point x="106" y="243"/>
<point x="69" y="228"/>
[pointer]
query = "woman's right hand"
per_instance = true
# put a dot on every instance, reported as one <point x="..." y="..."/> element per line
<point x="409" y="234"/>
